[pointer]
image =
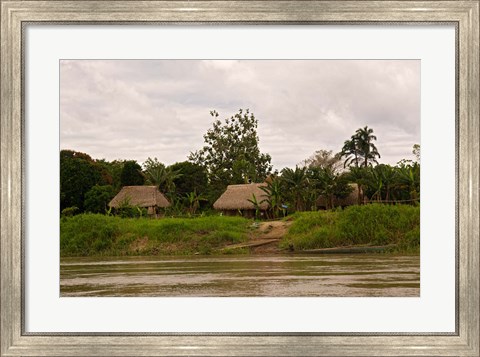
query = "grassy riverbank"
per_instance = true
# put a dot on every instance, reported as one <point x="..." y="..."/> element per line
<point x="372" y="224"/>
<point x="99" y="235"/>
<point x="95" y="234"/>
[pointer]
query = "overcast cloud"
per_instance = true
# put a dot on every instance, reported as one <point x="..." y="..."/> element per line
<point x="135" y="109"/>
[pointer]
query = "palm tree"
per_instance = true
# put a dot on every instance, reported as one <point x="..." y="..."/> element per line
<point x="296" y="181"/>
<point x="155" y="174"/>
<point x="193" y="199"/>
<point x="366" y="148"/>
<point x="389" y="177"/>
<point x="256" y="205"/>
<point x="374" y="183"/>
<point x="273" y="190"/>
<point x="350" y="151"/>
<point x="409" y="177"/>
<point x="162" y="177"/>
<point x="359" y="148"/>
<point x="326" y="182"/>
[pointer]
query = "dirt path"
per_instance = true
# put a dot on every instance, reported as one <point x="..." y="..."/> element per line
<point x="265" y="238"/>
<point x="273" y="229"/>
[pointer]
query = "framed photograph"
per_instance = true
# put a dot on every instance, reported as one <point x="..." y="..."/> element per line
<point x="239" y="178"/>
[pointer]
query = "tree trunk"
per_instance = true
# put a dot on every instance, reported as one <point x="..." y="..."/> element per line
<point x="359" y="187"/>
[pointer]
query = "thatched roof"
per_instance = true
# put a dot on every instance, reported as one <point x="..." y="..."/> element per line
<point x="237" y="197"/>
<point x="351" y="199"/>
<point x="141" y="196"/>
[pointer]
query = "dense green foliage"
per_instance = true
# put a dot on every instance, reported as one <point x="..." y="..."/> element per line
<point x="157" y="174"/>
<point x="231" y="154"/>
<point x="131" y="174"/>
<point x="113" y="171"/>
<point x="192" y="178"/>
<point x="372" y="224"/>
<point x="95" y="234"/>
<point x="98" y="197"/>
<point x="78" y="174"/>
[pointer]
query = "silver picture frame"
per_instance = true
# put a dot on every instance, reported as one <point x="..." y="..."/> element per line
<point x="16" y="15"/>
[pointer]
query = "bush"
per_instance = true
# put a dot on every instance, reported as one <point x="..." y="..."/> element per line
<point x="70" y="211"/>
<point x="125" y="210"/>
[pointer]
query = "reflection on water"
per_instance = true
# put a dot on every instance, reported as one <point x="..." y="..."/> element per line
<point x="273" y="276"/>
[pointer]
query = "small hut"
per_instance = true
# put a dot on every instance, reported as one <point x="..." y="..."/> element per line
<point x="148" y="197"/>
<point x="235" y="200"/>
<point x="349" y="200"/>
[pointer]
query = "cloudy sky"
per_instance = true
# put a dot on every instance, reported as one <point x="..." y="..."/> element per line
<point x="135" y="109"/>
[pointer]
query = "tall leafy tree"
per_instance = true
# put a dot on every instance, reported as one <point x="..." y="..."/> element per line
<point x="325" y="159"/>
<point x="191" y="178"/>
<point x="131" y="174"/>
<point x="78" y="174"/>
<point x="231" y="154"/>
<point x="114" y="170"/>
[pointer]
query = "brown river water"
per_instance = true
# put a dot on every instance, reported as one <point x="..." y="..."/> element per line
<point x="247" y="275"/>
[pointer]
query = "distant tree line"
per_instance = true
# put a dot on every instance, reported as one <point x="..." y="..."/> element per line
<point x="231" y="155"/>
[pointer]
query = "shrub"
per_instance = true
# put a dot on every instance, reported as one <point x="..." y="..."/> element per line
<point x="70" y="211"/>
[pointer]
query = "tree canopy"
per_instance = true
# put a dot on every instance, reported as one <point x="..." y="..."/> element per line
<point x="98" y="197"/>
<point x="78" y="174"/>
<point x="231" y="154"/>
<point x="131" y="174"/>
<point x="191" y="178"/>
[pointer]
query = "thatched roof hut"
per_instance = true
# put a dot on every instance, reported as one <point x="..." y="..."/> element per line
<point x="236" y="197"/>
<point x="351" y="199"/>
<point x="141" y="196"/>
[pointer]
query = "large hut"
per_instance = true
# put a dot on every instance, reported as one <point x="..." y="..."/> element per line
<point x="148" y="197"/>
<point x="235" y="200"/>
<point x="349" y="200"/>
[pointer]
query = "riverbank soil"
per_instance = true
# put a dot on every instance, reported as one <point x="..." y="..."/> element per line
<point x="265" y="238"/>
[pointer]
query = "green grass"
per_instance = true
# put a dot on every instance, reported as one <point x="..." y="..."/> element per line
<point x="372" y="224"/>
<point x="95" y="234"/>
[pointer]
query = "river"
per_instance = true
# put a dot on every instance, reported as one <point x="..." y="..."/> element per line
<point x="247" y="275"/>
